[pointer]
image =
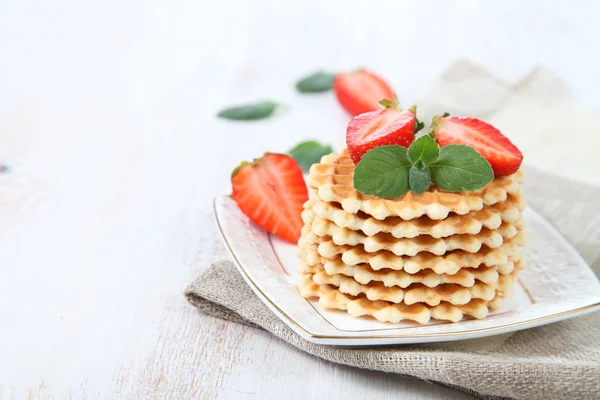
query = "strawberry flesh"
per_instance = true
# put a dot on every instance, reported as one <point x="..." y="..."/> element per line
<point x="379" y="128"/>
<point x="271" y="192"/>
<point x="360" y="91"/>
<point x="504" y="157"/>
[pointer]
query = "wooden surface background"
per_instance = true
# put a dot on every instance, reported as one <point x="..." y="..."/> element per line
<point x="113" y="154"/>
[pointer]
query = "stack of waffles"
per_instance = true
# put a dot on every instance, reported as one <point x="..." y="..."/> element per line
<point x="434" y="255"/>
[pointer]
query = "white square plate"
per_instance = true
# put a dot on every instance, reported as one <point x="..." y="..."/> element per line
<point x="556" y="284"/>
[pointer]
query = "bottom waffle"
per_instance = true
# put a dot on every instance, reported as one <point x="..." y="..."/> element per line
<point x="387" y="305"/>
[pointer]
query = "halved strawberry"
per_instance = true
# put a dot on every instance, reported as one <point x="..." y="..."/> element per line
<point x="504" y="157"/>
<point x="360" y="91"/>
<point x="379" y="128"/>
<point x="271" y="192"/>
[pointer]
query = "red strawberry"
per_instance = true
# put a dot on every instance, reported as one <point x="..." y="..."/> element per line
<point x="379" y="128"/>
<point x="504" y="157"/>
<point x="271" y="192"/>
<point x="360" y="91"/>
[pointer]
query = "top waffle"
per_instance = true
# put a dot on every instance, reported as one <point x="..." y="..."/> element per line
<point x="332" y="181"/>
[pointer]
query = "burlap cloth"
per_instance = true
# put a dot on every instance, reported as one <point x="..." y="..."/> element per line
<point x="557" y="361"/>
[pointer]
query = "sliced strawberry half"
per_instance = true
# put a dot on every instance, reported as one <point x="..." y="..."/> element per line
<point x="360" y="91"/>
<point x="504" y="157"/>
<point x="271" y="192"/>
<point x="379" y="128"/>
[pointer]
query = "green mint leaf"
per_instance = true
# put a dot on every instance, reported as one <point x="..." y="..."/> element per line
<point x="308" y="153"/>
<point x="318" y="82"/>
<point x="388" y="103"/>
<point x="419" y="179"/>
<point x="249" y="112"/>
<point x="424" y="149"/>
<point x="460" y="168"/>
<point x="446" y="114"/>
<point x="383" y="172"/>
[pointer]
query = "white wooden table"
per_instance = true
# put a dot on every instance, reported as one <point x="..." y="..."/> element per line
<point x="113" y="152"/>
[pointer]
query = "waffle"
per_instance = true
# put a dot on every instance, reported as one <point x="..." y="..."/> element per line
<point x="491" y="217"/>
<point x="447" y="264"/>
<point x="451" y="293"/>
<point x="313" y="249"/>
<point x="361" y="273"/>
<point x="330" y="297"/>
<point x="332" y="181"/>
<point x="413" y="246"/>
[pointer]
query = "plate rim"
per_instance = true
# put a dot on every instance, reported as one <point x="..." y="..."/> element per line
<point x="464" y="334"/>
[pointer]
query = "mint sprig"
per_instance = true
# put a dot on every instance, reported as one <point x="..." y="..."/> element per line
<point x="308" y="153"/>
<point x="249" y="112"/>
<point x="317" y="82"/>
<point x="391" y="171"/>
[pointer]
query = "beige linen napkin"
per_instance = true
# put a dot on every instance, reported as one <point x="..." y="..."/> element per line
<point x="560" y="360"/>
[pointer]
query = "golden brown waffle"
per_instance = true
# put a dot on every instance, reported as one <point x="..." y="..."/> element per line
<point x="332" y="181"/>
<point x="451" y="293"/>
<point x="330" y="297"/>
<point x="361" y="273"/>
<point x="312" y="249"/>
<point x="449" y="263"/>
<point x="413" y="246"/>
<point x="422" y="262"/>
<point x="490" y="217"/>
